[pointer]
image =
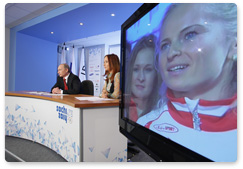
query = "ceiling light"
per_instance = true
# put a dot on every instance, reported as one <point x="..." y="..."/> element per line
<point x="112" y="14"/>
<point x="149" y="24"/>
<point x="52" y="32"/>
<point x="81" y="23"/>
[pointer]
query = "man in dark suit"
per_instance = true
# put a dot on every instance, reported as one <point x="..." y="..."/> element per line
<point x="67" y="82"/>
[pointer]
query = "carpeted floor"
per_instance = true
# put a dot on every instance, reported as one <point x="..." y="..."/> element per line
<point x="21" y="150"/>
<point x="17" y="149"/>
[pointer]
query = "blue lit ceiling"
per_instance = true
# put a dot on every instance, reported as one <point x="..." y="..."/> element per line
<point x="96" y="19"/>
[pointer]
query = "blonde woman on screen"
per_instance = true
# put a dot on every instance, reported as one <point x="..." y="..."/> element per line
<point x="197" y="59"/>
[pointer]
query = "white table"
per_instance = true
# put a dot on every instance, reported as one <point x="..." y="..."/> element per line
<point x="77" y="130"/>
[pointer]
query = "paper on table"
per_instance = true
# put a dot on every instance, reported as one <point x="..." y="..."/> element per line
<point x="45" y="93"/>
<point x="92" y="98"/>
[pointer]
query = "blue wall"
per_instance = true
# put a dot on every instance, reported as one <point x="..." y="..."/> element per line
<point x="36" y="63"/>
<point x="14" y="72"/>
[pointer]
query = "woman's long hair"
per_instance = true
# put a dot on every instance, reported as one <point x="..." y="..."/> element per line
<point x="224" y="11"/>
<point x="114" y="65"/>
<point x="143" y="43"/>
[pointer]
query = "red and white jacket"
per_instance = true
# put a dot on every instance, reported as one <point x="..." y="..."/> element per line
<point x="206" y="127"/>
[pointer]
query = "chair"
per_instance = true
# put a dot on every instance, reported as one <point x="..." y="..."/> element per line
<point x="87" y="87"/>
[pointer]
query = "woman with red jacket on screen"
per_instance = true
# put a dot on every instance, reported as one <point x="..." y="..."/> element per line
<point x="197" y="60"/>
<point x="142" y="81"/>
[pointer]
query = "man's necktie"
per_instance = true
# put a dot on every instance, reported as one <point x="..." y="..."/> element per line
<point x="65" y="84"/>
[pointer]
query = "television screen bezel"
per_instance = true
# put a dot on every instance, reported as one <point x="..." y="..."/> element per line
<point x="155" y="145"/>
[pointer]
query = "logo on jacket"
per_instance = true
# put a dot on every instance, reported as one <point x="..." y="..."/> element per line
<point x="165" y="127"/>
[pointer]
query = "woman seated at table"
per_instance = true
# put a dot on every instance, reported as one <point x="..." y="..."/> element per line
<point x="111" y="88"/>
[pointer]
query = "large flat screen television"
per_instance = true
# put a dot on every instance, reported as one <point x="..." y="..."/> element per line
<point x="179" y="81"/>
